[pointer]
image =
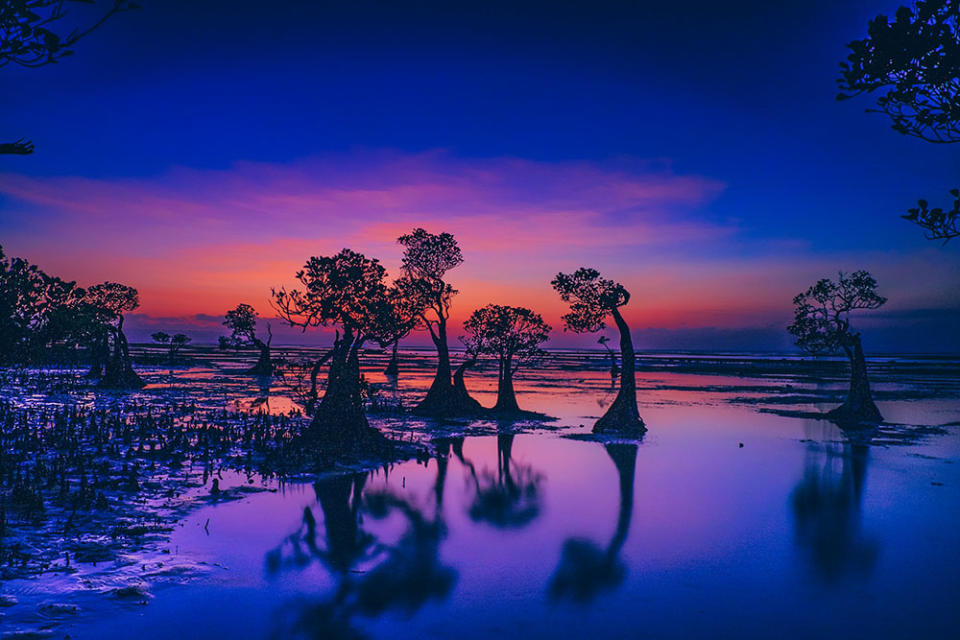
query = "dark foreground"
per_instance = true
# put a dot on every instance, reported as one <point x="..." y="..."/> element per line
<point x="739" y="514"/>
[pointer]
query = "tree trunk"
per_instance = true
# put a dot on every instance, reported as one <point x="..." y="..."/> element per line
<point x="264" y="366"/>
<point x="506" y="397"/>
<point x="119" y="373"/>
<point x="463" y="400"/>
<point x="340" y="421"/>
<point x="393" y="367"/>
<point x="97" y="358"/>
<point x="858" y="409"/>
<point x="622" y="416"/>
<point x="443" y="399"/>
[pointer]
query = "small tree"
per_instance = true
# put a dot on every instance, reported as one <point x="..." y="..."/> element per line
<point x="592" y="299"/>
<point x="427" y="258"/>
<point x="106" y="304"/>
<point x="346" y="291"/>
<point x="514" y="336"/>
<point x="822" y="325"/>
<point x="242" y="322"/>
<point x="27" y="38"/>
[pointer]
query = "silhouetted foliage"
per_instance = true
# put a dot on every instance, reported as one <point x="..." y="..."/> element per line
<point x="28" y="38"/>
<point x="347" y="291"/>
<point x="511" y="498"/>
<point x="939" y="224"/>
<point x="822" y="325"/>
<point x="592" y="299"/>
<point x="242" y="322"/>
<point x="513" y="335"/>
<point x="916" y="59"/>
<point x="104" y="306"/>
<point x="31" y="309"/>
<point x="399" y="324"/>
<point x="173" y="343"/>
<point x="427" y="258"/>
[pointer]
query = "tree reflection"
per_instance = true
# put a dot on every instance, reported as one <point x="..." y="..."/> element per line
<point x="585" y="569"/>
<point x="827" y="506"/>
<point x="511" y="497"/>
<point x="371" y="574"/>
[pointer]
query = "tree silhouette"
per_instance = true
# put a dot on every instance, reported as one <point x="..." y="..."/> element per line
<point x="399" y="324"/>
<point x="107" y="303"/>
<point x="514" y="336"/>
<point x="427" y="258"/>
<point x="585" y="570"/>
<point x="27" y="39"/>
<point x="915" y="61"/>
<point x="346" y="291"/>
<point x="592" y="299"/>
<point x="938" y="223"/>
<point x="822" y="325"/>
<point x="32" y="309"/>
<point x="242" y="322"/>
<point x="614" y="368"/>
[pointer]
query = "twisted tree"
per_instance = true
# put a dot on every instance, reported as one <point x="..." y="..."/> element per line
<point x="346" y="291"/>
<point x="513" y="335"/>
<point x="592" y="299"/>
<point x="822" y="325"/>
<point x="28" y="39"/>
<point x="427" y="258"/>
<point x="242" y="322"/>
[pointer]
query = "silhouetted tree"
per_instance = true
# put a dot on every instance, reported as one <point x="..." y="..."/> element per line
<point x="822" y="325"/>
<point x="514" y="336"/>
<point x="427" y="258"/>
<point x="107" y="303"/>
<point x="592" y="299"/>
<point x="399" y="324"/>
<point x="31" y="309"/>
<point x="346" y="291"/>
<point x="939" y="224"/>
<point x="28" y="39"/>
<point x="585" y="570"/>
<point x="161" y="338"/>
<point x="915" y="61"/>
<point x="242" y="322"/>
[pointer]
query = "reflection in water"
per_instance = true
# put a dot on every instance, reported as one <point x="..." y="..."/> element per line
<point x="371" y="575"/>
<point x="511" y="498"/>
<point x="827" y="508"/>
<point x="585" y="569"/>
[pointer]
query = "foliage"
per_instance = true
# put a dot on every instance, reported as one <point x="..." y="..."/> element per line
<point x="916" y="60"/>
<point x="242" y="322"/>
<point x="591" y="299"/>
<point x="510" y="333"/>
<point x="161" y="337"/>
<point x="822" y="313"/>
<point x="427" y="258"/>
<point x="939" y="224"/>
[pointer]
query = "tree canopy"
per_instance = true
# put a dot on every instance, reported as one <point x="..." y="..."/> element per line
<point x="822" y="313"/>
<point x="591" y="299"/>
<point x="511" y="333"/>
<point x="914" y="60"/>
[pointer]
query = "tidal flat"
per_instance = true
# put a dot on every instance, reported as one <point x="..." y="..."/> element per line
<point x="182" y="510"/>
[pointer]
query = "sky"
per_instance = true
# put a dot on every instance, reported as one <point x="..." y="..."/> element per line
<point x="695" y="152"/>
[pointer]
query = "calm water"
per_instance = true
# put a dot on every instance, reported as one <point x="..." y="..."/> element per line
<point x="804" y="531"/>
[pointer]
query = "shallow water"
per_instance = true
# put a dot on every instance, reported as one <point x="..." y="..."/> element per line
<point x="802" y="531"/>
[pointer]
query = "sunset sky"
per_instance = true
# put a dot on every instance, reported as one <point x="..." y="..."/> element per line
<point x="201" y="151"/>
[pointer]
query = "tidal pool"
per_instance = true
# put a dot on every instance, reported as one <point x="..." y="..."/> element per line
<point x="723" y="521"/>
